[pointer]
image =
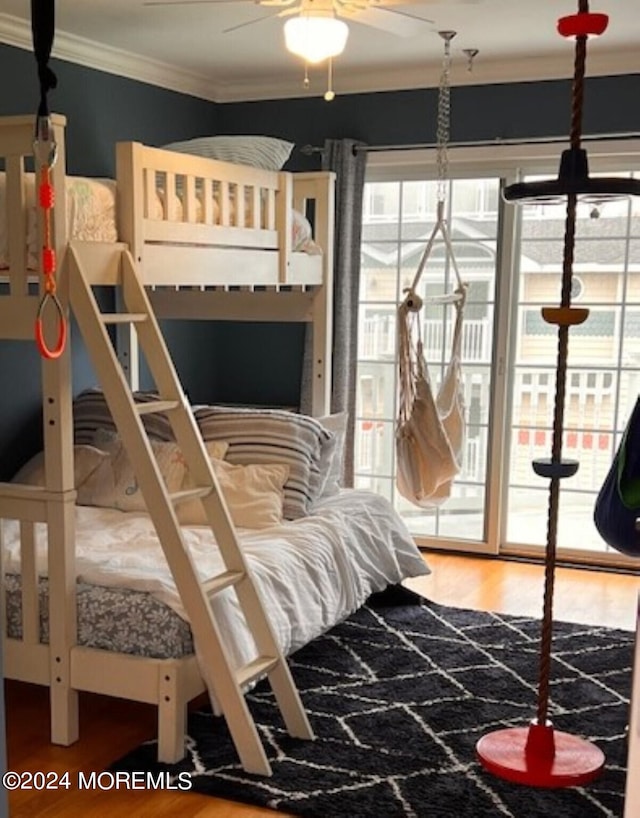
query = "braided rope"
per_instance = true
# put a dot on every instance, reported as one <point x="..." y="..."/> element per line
<point x="577" y="102"/>
<point x="444" y="117"/>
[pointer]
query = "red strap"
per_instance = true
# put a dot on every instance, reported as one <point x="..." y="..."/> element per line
<point x="46" y="200"/>
<point x="45" y="351"/>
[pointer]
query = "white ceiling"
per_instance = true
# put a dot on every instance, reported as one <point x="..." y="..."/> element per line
<point x="185" y="48"/>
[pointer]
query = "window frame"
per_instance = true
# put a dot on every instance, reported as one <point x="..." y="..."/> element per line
<point x="510" y="163"/>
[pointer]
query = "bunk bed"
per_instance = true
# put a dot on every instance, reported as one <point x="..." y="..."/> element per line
<point x="210" y="240"/>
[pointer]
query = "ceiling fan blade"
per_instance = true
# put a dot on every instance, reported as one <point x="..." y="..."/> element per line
<point x="278" y="3"/>
<point x="251" y="22"/>
<point x="289" y="12"/>
<point x="410" y="15"/>
<point x="391" y="20"/>
<point x="386" y="3"/>
<point x="187" y="2"/>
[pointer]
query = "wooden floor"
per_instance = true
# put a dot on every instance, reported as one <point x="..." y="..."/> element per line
<point x="110" y="728"/>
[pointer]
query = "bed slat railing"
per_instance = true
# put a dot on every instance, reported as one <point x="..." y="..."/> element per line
<point x="18" y="502"/>
<point x="207" y="196"/>
<point x="169" y="197"/>
<point x="29" y="573"/>
<point x="16" y="143"/>
<point x="224" y="204"/>
<point x="15" y="210"/>
<point x="18" y="307"/>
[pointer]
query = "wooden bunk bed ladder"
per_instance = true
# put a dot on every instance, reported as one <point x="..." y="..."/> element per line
<point x="224" y="682"/>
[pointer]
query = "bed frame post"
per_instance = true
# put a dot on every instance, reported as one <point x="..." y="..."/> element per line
<point x="58" y="447"/>
<point x="172" y="717"/>
<point x="322" y="309"/>
<point x="284" y="221"/>
<point x="130" y="210"/>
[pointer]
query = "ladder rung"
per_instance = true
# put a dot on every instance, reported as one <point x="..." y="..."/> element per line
<point x="222" y="581"/>
<point x="255" y="669"/>
<point x="123" y="317"/>
<point x="233" y="572"/>
<point x="150" y="407"/>
<point x="190" y="494"/>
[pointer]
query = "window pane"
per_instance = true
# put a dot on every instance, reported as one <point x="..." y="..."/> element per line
<point x="602" y="377"/>
<point x="603" y="367"/>
<point x="392" y="249"/>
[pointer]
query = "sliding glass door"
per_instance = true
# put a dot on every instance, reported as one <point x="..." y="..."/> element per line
<point x="399" y="217"/>
<point x="603" y="377"/>
<point x="511" y="258"/>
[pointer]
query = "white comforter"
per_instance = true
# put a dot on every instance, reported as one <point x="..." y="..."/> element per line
<point x="311" y="573"/>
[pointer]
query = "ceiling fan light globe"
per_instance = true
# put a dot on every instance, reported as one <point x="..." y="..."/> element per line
<point x="315" y="38"/>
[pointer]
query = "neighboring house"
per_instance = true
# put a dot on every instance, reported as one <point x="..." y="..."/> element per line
<point x="604" y="352"/>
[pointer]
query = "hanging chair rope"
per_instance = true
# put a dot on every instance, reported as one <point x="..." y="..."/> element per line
<point x="45" y="153"/>
<point x="442" y="164"/>
<point x="444" y="117"/>
<point x="430" y="430"/>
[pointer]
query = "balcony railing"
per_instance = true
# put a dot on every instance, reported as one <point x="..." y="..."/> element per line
<point x="378" y="338"/>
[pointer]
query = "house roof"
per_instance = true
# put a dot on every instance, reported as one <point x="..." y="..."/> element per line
<point x="599" y="241"/>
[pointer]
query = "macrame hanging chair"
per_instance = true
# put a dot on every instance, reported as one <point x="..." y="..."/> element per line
<point x="430" y="430"/>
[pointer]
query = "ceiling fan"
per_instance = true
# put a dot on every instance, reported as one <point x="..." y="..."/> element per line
<point x="316" y="29"/>
<point x="380" y="14"/>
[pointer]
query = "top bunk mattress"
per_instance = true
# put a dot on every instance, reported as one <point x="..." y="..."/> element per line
<point x="91" y="216"/>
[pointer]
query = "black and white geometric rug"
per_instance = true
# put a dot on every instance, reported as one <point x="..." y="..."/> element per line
<point x="398" y="696"/>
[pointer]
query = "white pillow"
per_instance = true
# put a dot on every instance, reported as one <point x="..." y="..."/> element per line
<point x="216" y="449"/>
<point x="253" y="493"/>
<point x="332" y="463"/>
<point x="302" y="235"/>
<point x="86" y="460"/>
<point x="269" y="436"/>
<point x="266" y="152"/>
<point x="114" y="484"/>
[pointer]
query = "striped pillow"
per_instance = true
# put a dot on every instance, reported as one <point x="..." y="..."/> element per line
<point x="266" y="152"/>
<point x="268" y="436"/>
<point x="90" y="413"/>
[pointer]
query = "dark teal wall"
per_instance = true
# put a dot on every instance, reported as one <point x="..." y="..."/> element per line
<point x="257" y="362"/>
<point x="523" y="110"/>
<point x="478" y="113"/>
<point x="100" y="109"/>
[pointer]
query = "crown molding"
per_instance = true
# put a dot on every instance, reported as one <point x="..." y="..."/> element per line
<point x="485" y="72"/>
<point x="17" y="32"/>
<point x="90" y="54"/>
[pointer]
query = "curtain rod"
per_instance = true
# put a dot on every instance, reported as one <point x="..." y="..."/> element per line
<point x="309" y="150"/>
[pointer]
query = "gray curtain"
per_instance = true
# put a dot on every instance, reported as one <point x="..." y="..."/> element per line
<point x="348" y="163"/>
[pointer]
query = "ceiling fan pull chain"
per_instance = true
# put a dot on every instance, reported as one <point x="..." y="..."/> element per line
<point x="444" y="115"/>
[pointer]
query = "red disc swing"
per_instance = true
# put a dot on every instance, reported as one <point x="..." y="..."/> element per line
<point x="539" y="755"/>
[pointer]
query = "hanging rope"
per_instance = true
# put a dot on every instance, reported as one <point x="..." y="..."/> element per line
<point x="430" y="431"/>
<point x="413" y="300"/>
<point x="577" y="101"/>
<point x="444" y="116"/>
<point x="43" y="30"/>
<point x="539" y="755"/>
<point x="45" y="153"/>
